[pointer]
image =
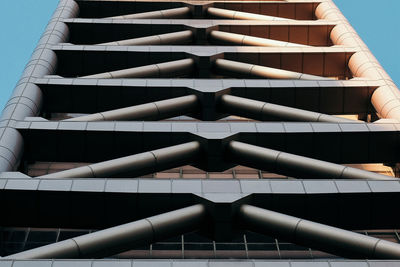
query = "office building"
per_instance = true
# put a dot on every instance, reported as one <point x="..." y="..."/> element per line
<point x="200" y="133"/>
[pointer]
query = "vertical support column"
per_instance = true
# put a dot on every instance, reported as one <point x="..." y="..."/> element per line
<point x="26" y="99"/>
<point x="385" y="99"/>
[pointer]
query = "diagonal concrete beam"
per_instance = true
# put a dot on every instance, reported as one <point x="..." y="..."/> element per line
<point x="240" y="39"/>
<point x="232" y="14"/>
<point x="136" y="165"/>
<point x="293" y="165"/>
<point x="173" y="38"/>
<point x="234" y="68"/>
<point x="173" y="13"/>
<point x="121" y="238"/>
<point x="264" y="111"/>
<point x="151" y="111"/>
<point x="315" y="235"/>
<point x="177" y="68"/>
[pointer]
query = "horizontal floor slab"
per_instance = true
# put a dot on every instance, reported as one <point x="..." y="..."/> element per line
<point x="204" y="50"/>
<point x="199" y="23"/>
<point x="87" y="31"/>
<point x="205" y="83"/>
<point x="90" y="203"/>
<point x="96" y="95"/>
<point x="81" y="60"/>
<point x="200" y="186"/>
<point x="198" y="263"/>
<point x="97" y="141"/>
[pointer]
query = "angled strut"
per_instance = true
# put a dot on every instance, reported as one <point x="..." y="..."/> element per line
<point x="173" y="13"/>
<point x="151" y="111"/>
<point x="263" y="111"/>
<point x="121" y="238"/>
<point x="294" y="165"/>
<point x="135" y="165"/>
<point x="177" y="68"/>
<point x="232" y="14"/>
<point x="240" y="39"/>
<point x="235" y="68"/>
<point x="315" y="235"/>
<point x="182" y="37"/>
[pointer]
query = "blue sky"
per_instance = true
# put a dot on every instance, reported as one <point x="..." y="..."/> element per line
<point x="23" y="21"/>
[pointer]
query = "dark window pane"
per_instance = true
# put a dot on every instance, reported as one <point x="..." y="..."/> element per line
<point x="258" y="238"/>
<point x="261" y="246"/>
<point x="31" y="245"/>
<point x="42" y="236"/>
<point x="70" y="234"/>
<point x="199" y="246"/>
<point x="15" y="235"/>
<point x="193" y="237"/>
<point x="230" y="246"/>
<point x="167" y="246"/>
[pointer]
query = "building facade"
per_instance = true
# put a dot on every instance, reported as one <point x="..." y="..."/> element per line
<point x="200" y="133"/>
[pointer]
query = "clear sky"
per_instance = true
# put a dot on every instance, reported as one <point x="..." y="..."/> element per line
<point x="23" y="21"/>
